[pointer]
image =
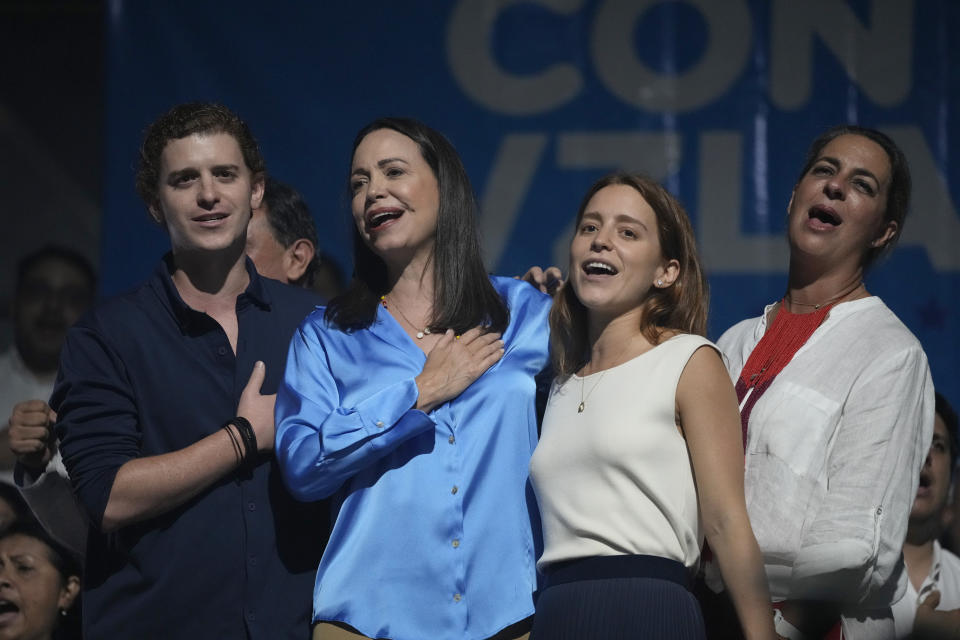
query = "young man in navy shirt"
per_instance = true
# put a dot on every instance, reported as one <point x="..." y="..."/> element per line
<point x="165" y="412"/>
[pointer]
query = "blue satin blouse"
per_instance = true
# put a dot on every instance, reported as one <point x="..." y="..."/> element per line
<point x="435" y="520"/>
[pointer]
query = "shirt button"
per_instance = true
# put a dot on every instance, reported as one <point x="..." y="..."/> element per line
<point x="251" y="615"/>
<point x="222" y="351"/>
<point x="456" y="544"/>
<point x="252" y="506"/>
<point x="253" y="561"/>
<point x="380" y="423"/>
<point x="451" y="439"/>
<point x="454" y="490"/>
<point x="456" y="597"/>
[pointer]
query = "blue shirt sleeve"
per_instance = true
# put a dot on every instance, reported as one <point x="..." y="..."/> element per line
<point x="321" y="440"/>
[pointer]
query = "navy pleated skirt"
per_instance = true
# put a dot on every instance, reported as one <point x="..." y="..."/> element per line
<point x="617" y="598"/>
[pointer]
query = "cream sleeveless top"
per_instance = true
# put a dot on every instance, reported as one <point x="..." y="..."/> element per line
<point x="616" y="478"/>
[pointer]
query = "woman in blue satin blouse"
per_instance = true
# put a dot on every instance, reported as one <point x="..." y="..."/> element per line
<point x="410" y="400"/>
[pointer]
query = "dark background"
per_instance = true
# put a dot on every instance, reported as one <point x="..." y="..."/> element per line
<point x="51" y="130"/>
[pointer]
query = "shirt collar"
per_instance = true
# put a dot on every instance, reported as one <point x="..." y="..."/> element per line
<point x="838" y="311"/>
<point x="162" y="283"/>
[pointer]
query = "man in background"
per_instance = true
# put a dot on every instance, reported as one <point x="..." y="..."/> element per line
<point x="54" y="287"/>
<point x="930" y="608"/>
<point x="282" y="238"/>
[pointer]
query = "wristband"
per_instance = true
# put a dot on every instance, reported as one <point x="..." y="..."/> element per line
<point x="237" y="448"/>
<point x="249" y="439"/>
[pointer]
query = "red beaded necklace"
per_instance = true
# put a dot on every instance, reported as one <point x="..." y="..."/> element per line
<point x="776" y="348"/>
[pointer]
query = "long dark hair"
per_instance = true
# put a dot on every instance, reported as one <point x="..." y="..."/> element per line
<point x="682" y="306"/>
<point x="463" y="295"/>
<point x="898" y="191"/>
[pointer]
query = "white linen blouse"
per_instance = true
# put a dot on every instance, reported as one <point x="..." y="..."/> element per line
<point x="833" y="456"/>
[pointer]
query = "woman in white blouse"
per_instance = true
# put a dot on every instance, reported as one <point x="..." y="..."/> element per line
<point x="836" y="400"/>
<point x="640" y="453"/>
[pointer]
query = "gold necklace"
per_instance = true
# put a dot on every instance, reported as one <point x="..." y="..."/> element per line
<point x="583" y="400"/>
<point x="833" y="299"/>
<point x="420" y="332"/>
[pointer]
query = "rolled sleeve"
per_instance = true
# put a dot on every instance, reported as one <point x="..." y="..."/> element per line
<point x="850" y="549"/>
<point x="96" y="417"/>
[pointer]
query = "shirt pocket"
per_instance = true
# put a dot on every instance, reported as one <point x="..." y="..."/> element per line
<point x="795" y="424"/>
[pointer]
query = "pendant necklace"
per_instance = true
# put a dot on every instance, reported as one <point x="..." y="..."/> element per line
<point x="583" y="400"/>
<point x="825" y="302"/>
<point x="420" y="332"/>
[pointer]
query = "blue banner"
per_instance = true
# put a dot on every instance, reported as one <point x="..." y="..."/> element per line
<point x="718" y="100"/>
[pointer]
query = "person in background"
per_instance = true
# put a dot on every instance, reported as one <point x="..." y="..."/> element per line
<point x="282" y="237"/>
<point x="930" y="608"/>
<point x="39" y="586"/>
<point x="836" y="401"/>
<point x="54" y="287"/>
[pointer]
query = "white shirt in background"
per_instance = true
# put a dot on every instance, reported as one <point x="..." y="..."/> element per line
<point x="944" y="577"/>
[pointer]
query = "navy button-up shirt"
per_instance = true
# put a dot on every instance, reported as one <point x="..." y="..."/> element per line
<point x="144" y="374"/>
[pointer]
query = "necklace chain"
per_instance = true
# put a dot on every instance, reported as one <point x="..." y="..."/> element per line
<point x="583" y="400"/>
<point x="420" y="332"/>
<point x="825" y="302"/>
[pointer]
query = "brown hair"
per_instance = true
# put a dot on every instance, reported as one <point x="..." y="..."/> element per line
<point x="682" y="306"/>
<point x="184" y="120"/>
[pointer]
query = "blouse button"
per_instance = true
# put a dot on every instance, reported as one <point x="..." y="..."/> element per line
<point x="456" y="544"/>
<point x="456" y="597"/>
<point x="451" y="439"/>
<point x="454" y="490"/>
<point x="380" y="423"/>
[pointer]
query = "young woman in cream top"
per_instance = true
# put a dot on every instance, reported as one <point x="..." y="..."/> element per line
<point x="640" y="454"/>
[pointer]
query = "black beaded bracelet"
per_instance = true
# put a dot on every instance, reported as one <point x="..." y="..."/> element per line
<point x="249" y="439"/>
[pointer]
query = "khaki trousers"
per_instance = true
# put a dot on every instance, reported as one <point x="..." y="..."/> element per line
<point x="340" y="631"/>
